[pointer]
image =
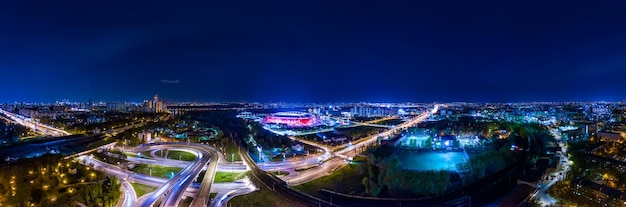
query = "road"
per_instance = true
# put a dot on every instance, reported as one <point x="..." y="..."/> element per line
<point x="542" y="194"/>
<point x="202" y="198"/>
<point x="34" y="125"/>
<point x="222" y="198"/>
<point x="130" y="197"/>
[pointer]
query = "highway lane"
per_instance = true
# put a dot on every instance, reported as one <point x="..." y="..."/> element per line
<point x="203" y="193"/>
<point x="221" y="199"/>
<point x="130" y="197"/>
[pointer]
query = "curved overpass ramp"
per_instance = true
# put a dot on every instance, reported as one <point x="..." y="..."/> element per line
<point x="173" y="189"/>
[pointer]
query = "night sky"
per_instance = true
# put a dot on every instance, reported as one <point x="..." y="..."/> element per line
<point x="312" y="51"/>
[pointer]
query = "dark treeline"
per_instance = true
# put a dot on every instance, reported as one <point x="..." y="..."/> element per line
<point x="384" y="177"/>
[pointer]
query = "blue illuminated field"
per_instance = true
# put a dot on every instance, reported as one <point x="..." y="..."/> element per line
<point x="423" y="161"/>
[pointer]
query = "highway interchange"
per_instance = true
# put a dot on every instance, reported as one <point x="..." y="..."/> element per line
<point x="171" y="191"/>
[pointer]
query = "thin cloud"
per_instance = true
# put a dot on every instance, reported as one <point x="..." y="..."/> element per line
<point x="170" y="81"/>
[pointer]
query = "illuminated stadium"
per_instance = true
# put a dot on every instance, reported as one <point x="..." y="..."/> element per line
<point x="292" y="119"/>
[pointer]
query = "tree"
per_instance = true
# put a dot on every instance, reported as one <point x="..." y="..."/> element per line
<point x="456" y="144"/>
<point x="429" y="142"/>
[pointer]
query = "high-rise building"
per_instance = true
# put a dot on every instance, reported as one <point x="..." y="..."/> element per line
<point x="159" y="107"/>
<point x="150" y="105"/>
<point x="156" y="105"/>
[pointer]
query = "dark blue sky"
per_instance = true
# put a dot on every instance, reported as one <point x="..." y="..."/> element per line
<point x="319" y="51"/>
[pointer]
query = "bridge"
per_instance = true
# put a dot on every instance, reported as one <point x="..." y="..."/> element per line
<point x="34" y="125"/>
<point x="176" y="110"/>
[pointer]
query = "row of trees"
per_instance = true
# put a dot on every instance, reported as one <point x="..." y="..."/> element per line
<point x="484" y="164"/>
<point x="268" y="139"/>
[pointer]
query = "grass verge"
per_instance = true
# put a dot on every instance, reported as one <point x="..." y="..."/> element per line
<point x="141" y="189"/>
<point x="226" y="177"/>
<point x="263" y="198"/>
<point x="180" y="155"/>
<point x="157" y="170"/>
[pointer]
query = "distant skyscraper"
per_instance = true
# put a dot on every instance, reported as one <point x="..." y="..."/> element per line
<point x="150" y="104"/>
<point x="156" y="105"/>
<point x="159" y="107"/>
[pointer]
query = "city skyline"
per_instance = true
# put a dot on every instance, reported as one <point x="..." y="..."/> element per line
<point x="321" y="103"/>
<point x="313" y="52"/>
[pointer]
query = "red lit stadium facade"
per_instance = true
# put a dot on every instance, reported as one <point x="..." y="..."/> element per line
<point x="292" y="119"/>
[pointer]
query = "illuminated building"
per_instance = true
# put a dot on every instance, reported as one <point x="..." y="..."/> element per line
<point x="292" y="119"/>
